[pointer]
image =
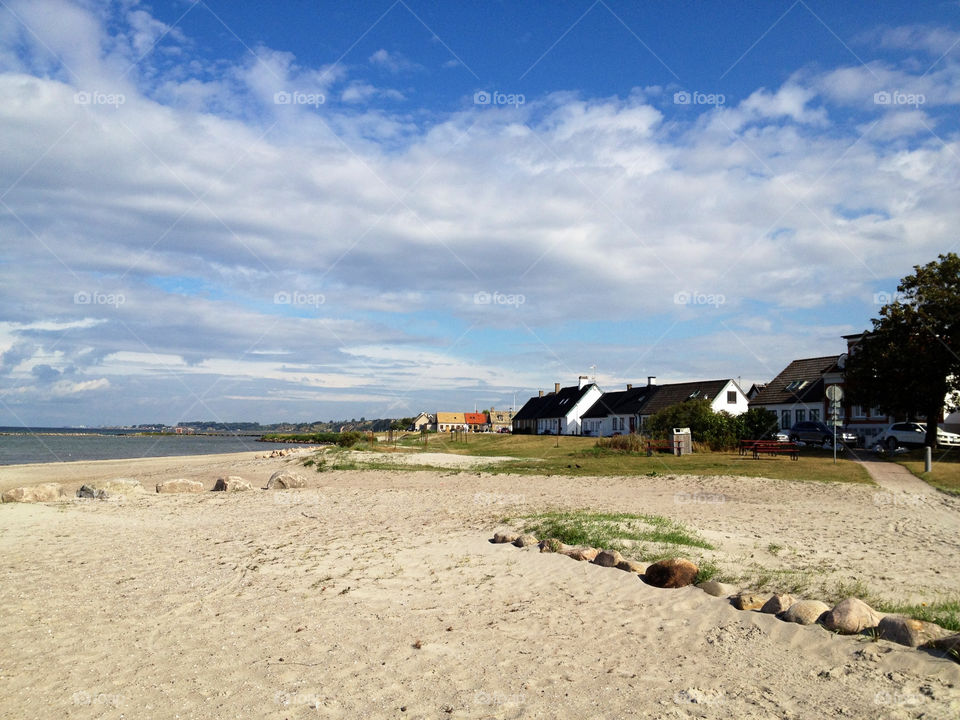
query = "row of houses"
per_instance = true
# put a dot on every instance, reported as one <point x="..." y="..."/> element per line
<point x="492" y="420"/>
<point x="797" y="394"/>
<point x="584" y="409"/>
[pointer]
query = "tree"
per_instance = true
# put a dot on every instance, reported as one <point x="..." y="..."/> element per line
<point x="757" y="424"/>
<point x="716" y="429"/>
<point x="909" y="364"/>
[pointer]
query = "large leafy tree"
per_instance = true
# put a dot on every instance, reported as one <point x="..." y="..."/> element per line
<point x="910" y="362"/>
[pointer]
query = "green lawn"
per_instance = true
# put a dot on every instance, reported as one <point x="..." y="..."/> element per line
<point x="549" y="455"/>
<point x="945" y="474"/>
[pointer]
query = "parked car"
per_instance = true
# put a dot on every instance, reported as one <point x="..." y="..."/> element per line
<point x="818" y="433"/>
<point x="914" y="435"/>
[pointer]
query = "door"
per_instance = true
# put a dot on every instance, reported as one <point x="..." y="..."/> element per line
<point x="633" y="424"/>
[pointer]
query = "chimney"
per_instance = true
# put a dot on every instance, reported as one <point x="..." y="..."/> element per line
<point x="556" y="387"/>
<point x="582" y="380"/>
<point x="541" y="393"/>
<point x="629" y="386"/>
<point x="650" y="379"/>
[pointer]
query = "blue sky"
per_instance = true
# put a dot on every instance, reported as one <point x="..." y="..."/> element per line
<point x="300" y="211"/>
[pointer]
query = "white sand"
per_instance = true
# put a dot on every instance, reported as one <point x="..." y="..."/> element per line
<point x="262" y="604"/>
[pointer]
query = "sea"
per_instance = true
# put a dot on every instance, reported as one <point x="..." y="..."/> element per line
<point x="19" y="445"/>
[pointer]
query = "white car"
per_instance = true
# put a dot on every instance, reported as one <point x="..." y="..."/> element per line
<point x="914" y="434"/>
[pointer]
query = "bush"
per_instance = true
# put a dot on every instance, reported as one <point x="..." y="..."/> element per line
<point x="623" y="443"/>
<point x="349" y="438"/>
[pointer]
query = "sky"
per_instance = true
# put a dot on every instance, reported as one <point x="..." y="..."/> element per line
<point x="299" y="211"/>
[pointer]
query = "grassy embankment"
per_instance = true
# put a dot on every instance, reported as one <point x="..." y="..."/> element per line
<point x="549" y="455"/>
<point x="945" y="472"/>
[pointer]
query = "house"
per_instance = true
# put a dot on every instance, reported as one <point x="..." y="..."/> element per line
<point x="424" y="420"/>
<point x="525" y="420"/>
<point x="617" y="411"/>
<point x="798" y="394"/>
<point x="501" y="420"/>
<point x="724" y="394"/>
<point x="755" y="390"/>
<point x="558" y="413"/>
<point x="447" y="421"/>
<point x="626" y="411"/>
<point x="477" y="421"/>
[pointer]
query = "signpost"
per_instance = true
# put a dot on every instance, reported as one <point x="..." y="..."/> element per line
<point x="835" y="395"/>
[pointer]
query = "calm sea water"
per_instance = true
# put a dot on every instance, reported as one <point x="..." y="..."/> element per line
<point x="43" y="445"/>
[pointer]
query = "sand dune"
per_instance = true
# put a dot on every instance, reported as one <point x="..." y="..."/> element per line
<point x="374" y="594"/>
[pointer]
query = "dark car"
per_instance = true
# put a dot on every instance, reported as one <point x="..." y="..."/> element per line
<point x="818" y="433"/>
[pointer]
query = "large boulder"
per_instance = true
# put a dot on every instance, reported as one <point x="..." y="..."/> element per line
<point x="180" y="485"/>
<point x="805" y="612"/>
<point x="717" y="589"/>
<point x="581" y="553"/>
<point x="777" y="604"/>
<point x="231" y="483"/>
<point x="851" y="616"/>
<point x="47" y="492"/>
<point x="118" y="486"/>
<point x="632" y="567"/>
<point x="552" y="545"/>
<point x="525" y="540"/>
<point x="672" y="573"/>
<point x="749" y="600"/>
<point x="908" y="631"/>
<point x="504" y="537"/>
<point x="91" y="493"/>
<point x="608" y="558"/>
<point x="949" y="644"/>
<point x="285" y="480"/>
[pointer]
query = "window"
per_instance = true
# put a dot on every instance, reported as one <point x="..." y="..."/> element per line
<point x="797" y="385"/>
<point x="801" y="415"/>
<point x="784" y="419"/>
<point x="815" y="415"/>
<point x="731" y="397"/>
<point x="859" y="412"/>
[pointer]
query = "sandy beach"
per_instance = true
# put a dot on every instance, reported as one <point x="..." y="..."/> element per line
<point x="377" y="594"/>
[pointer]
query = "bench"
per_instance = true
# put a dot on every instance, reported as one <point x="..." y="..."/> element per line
<point x="774" y="447"/>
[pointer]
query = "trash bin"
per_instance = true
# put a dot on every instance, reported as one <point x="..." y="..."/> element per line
<point x="681" y="440"/>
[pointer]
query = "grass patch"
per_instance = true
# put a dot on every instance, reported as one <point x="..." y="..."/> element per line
<point x="945" y="472"/>
<point x="611" y="531"/>
<point x="945" y="613"/>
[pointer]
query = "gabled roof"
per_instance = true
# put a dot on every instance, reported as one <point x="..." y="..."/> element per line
<point x="449" y="418"/>
<point x="620" y="402"/>
<point x="675" y="393"/>
<point x="531" y="408"/>
<point x="554" y="405"/>
<point x="475" y="418"/>
<point x="800" y="381"/>
<point x="562" y="402"/>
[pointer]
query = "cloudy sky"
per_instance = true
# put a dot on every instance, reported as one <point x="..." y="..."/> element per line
<point x="302" y="210"/>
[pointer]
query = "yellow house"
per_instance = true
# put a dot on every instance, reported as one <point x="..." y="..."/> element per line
<point x="447" y="421"/>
